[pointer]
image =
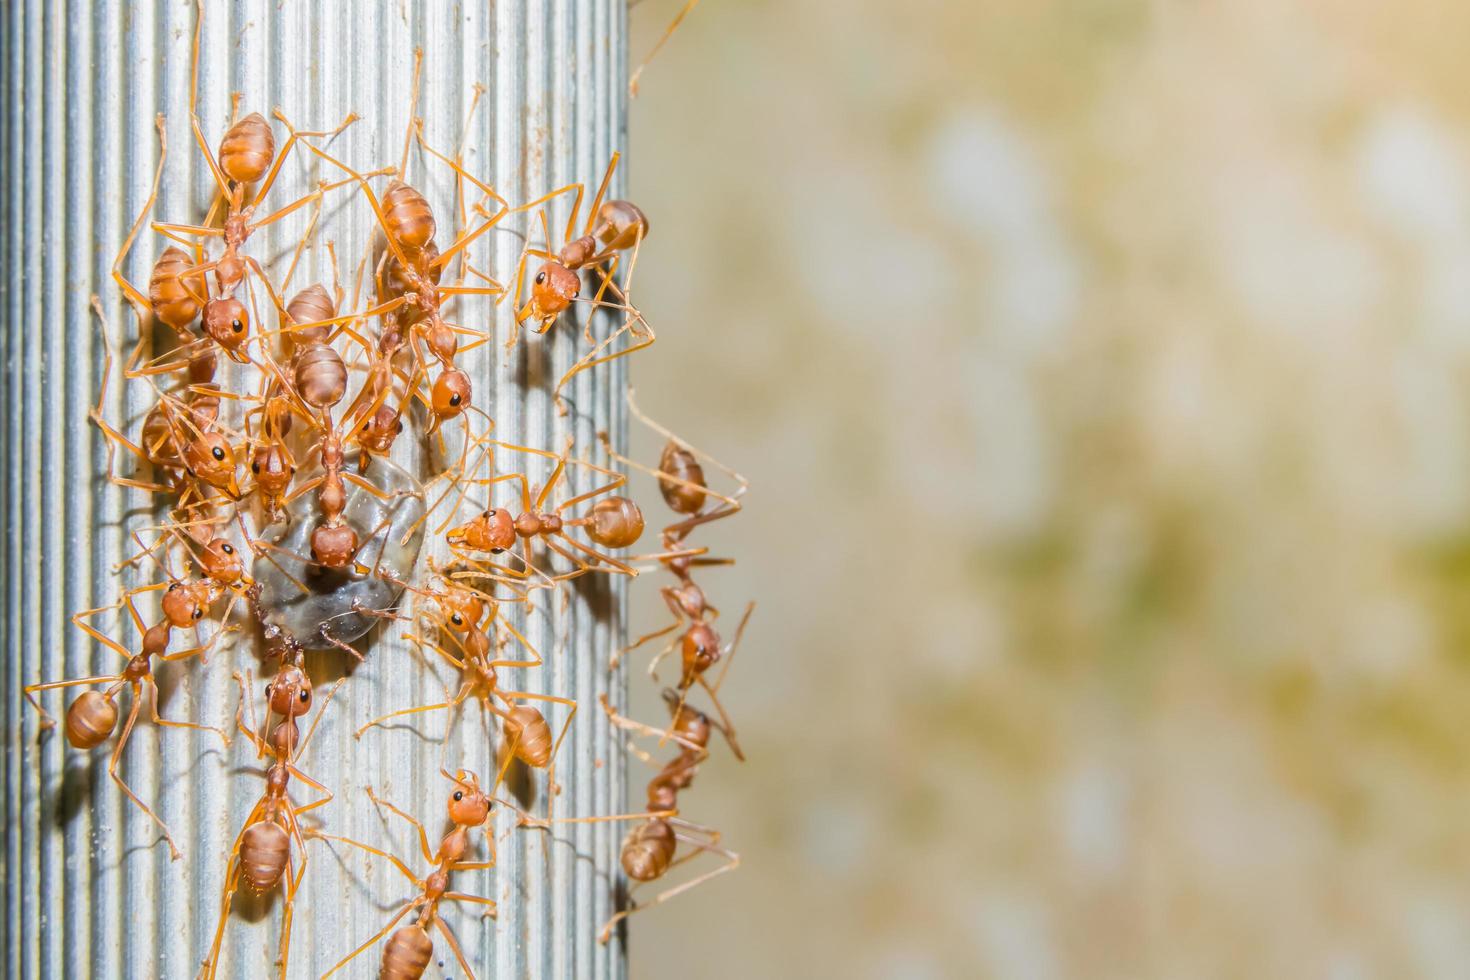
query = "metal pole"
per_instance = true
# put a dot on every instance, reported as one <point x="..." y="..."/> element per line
<point x="89" y="888"/>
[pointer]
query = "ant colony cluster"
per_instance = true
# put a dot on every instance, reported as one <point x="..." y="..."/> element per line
<point x="275" y="524"/>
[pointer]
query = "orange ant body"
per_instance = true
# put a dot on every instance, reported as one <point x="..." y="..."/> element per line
<point x="525" y="731"/>
<point x="648" y="852"/>
<point x="408" y="952"/>
<point x="92" y="716"/>
<point x="261" y="857"/>
<point x="615" y="522"/>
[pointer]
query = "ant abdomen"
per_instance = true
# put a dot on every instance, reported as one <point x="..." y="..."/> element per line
<point x="621" y="224"/>
<point x="321" y="376"/>
<point x="409" y="220"/>
<point x="312" y="305"/>
<point x="680" y="464"/>
<point x="649" y="850"/>
<point x="616" y="522"/>
<point x="407" y="953"/>
<point x="90" y="720"/>
<point x="175" y="298"/>
<point x="527" y="730"/>
<point x="248" y="148"/>
<point x="264" y="851"/>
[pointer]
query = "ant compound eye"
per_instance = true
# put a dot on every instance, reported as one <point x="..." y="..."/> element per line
<point x="454" y="399"/>
<point x="198" y="612"/>
<point x="236" y="326"/>
<point x="398" y="426"/>
<point x="490" y="513"/>
<point x="458" y="795"/>
<point x="172" y="586"/>
<point x="497" y="551"/>
<point x="540" y="278"/>
<point x="255" y="468"/>
<point x="228" y="549"/>
<point x="457" y="619"/>
<point x="218" y="453"/>
<point x="305" y="695"/>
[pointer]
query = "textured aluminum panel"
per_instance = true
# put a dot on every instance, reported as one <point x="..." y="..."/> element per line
<point x="89" y="887"/>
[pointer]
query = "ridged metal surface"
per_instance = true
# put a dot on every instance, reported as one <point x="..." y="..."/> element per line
<point x="89" y="887"/>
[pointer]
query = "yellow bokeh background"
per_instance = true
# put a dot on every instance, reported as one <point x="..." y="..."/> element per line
<point x="1101" y="372"/>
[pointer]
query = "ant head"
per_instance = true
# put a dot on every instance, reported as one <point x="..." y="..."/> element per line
<point x="184" y="603"/>
<point x="554" y="288"/>
<point x="228" y="323"/>
<point x="616" y="522"/>
<point x="211" y="458"/>
<point x="462" y="609"/>
<point x="289" y="692"/>
<point x="678" y="462"/>
<point x="333" y="545"/>
<point x="450" y="395"/>
<point x="468" y="804"/>
<point x="493" y="531"/>
<point x="222" y="562"/>
<point x="377" y="432"/>
<point x="272" y="469"/>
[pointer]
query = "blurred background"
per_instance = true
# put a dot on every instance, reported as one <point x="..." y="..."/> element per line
<point x="1100" y="369"/>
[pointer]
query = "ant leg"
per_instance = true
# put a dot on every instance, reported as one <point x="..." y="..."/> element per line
<point x="590" y="360"/>
<point x="214" y="168"/>
<point x="423" y="834"/>
<point x="731" y="863"/>
<point x="164" y="722"/>
<point x="247" y="730"/>
<point x="406" y="711"/>
<point x="30" y="691"/>
<point x="176" y="232"/>
<point x="520" y="638"/>
<point x="312" y="730"/>
<point x="386" y="929"/>
<point x="306" y="199"/>
<point x="656" y="427"/>
<point x="371" y="850"/>
<point x="270" y="178"/>
<point x="367" y="190"/>
<point x="734" y="645"/>
<point x="618" y="654"/>
<point x="653" y="664"/>
<point x="464" y="240"/>
<point x="454" y="946"/>
<point x="631" y="725"/>
<point x="462" y="897"/>
<point x="79" y="620"/>
<point x="293" y="878"/>
<point x="625" y="569"/>
<point x="140" y="303"/>
<point x="232" y="881"/>
<point x="619" y="481"/>
<point x="174" y="852"/>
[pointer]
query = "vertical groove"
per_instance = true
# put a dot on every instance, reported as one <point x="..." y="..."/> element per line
<point x="89" y="887"/>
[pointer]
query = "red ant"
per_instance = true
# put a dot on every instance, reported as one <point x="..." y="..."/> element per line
<point x="409" y="950"/>
<point x="615" y="522"/>
<point x="92" y="717"/>
<point x="261" y="856"/>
